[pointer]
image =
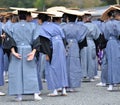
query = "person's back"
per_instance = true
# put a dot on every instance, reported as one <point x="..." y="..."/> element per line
<point x="1" y="61"/>
<point x="74" y="34"/>
<point x="52" y="29"/>
<point x="55" y="71"/>
<point x="23" y="32"/>
<point x="88" y="54"/>
<point x="22" y="67"/>
<point x="112" y="51"/>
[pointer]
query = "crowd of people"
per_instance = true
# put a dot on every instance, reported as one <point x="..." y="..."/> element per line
<point x="64" y="47"/>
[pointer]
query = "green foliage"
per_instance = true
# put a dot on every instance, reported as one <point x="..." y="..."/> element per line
<point x="90" y="3"/>
<point x="57" y="2"/>
<point x="111" y="1"/>
<point x="41" y="4"/>
<point x="16" y="3"/>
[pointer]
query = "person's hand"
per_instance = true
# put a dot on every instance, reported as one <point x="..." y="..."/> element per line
<point x="31" y="55"/>
<point x="17" y="55"/>
<point x="3" y="36"/>
<point x="47" y="58"/>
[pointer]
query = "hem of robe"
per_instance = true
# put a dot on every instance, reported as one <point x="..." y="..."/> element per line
<point x="24" y="93"/>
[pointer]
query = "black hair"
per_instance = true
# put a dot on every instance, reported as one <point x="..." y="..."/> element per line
<point x="71" y="17"/>
<point x="43" y="17"/>
<point x="100" y="20"/>
<point x="56" y="19"/>
<point x="116" y="12"/>
<point x="15" y="17"/>
<point x="2" y="18"/>
<point x="28" y="13"/>
<point x="87" y="15"/>
<point x="111" y="13"/>
<point x="64" y="18"/>
<point x="79" y="18"/>
<point x="22" y="15"/>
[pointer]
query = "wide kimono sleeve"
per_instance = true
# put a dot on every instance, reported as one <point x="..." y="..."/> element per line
<point x="9" y="43"/>
<point x="96" y="35"/>
<point x="82" y="41"/>
<point x="42" y="43"/>
<point x="46" y="46"/>
<point x="101" y="41"/>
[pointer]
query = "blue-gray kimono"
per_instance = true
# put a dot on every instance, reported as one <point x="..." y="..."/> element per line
<point x="1" y="61"/>
<point x="38" y="61"/>
<point x="55" y="71"/>
<point x="112" y="34"/>
<point x="88" y="54"/>
<point x="104" y="69"/>
<point x="23" y="77"/>
<point x="6" y="59"/>
<point x="74" y="33"/>
<point x="8" y="26"/>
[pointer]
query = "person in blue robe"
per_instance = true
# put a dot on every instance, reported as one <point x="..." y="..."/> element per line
<point x="63" y="20"/>
<point x="101" y="53"/>
<point x="104" y="64"/>
<point x="4" y="21"/>
<point x="38" y="60"/>
<point x="12" y="19"/>
<point x="88" y="54"/>
<point x="55" y="69"/>
<point x="1" y="62"/>
<point x="74" y="34"/>
<point x="112" y="49"/>
<point x="23" y="78"/>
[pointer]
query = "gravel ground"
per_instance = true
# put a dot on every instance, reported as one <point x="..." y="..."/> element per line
<point x="88" y="94"/>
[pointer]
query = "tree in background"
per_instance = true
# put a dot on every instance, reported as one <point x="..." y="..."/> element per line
<point x="110" y="2"/>
<point x="25" y="3"/>
<point x="90" y="3"/>
<point x="73" y="3"/>
<point x="42" y="4"/>
<point x="17" y="3"/>
<point x="50" y="3"/>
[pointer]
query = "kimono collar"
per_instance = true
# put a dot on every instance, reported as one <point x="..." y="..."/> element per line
<point x="46" y="22"/>
<point x="22" y="20"/>
<point x="56" y="23"/>
<point x="71" y="22"/>
<point x="117" y="20"/>
<point x="88" y="22"/>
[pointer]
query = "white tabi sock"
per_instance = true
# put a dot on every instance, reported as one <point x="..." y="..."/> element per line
<point x="19" y="97"/>
<point x="55" y="92"/>
<point x="110" y="88"/>
<point x="37" y="97"/>
<point x="64" y="91"/>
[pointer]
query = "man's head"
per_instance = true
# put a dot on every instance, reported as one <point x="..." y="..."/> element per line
<point x="117" y="14"/>
<point x="28" y="17"/>
<point x="22" y="14"/>
<point x="87" y="17"/>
